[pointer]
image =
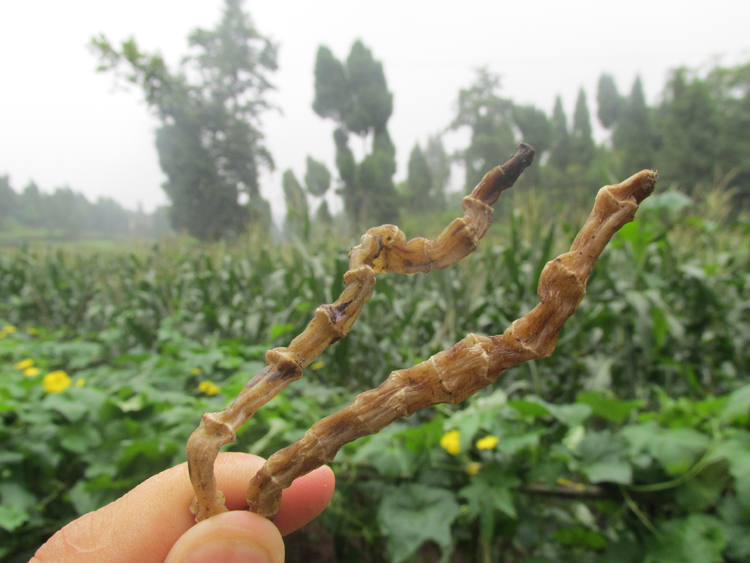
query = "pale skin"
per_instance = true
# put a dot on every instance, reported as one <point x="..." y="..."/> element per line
<point x="152" y="523"/>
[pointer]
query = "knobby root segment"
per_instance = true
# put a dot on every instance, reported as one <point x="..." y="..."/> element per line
<point x="382" y="249"/>
<point x="475" y="362"/>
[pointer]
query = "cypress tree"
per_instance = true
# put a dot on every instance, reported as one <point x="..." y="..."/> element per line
<point x="608" y="99"/>
<point x="560" y="150"/>
<point x="419" y="181"/>
<point x="582" y="144"/>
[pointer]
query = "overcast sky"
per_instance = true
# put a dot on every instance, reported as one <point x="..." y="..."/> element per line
<point x="61" y="123"/>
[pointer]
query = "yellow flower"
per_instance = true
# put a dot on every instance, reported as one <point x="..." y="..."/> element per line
<point x="208" y="388"/>
<point x="31" y="372"/>
<point x="23" y="364"/>
<point x="473" y="468"/>
<point x="32" y="330"/>
<point x="317" y="365"/>
<point x="8" y="329"/>
<point x="450" y="442"/>
<point x="56" y="382"/>
<point x="3" y="334"/>
<point x="196" y="371"/>
<point x="487" y="443"/>
<point x="81" y="382"/>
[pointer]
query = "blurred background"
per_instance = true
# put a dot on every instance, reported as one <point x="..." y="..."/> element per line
<point x="594" y="73"/>
<point x="181" y="182"/>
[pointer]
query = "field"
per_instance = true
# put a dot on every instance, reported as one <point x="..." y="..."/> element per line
<point x="631" y="443"/>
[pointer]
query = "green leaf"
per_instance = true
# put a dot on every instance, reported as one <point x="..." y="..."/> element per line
<point x="529" y="407"/>
<point x="12" y="517"/>
<point x="413" y="514"/>
<point x="602" y="457"/>
<point x="610" y="409"/>
<point x="10" y="457"/>
<point x="671" y="201"/>
<point x="511" y="445"/>
<point x="82" y="500"/>
<point x="622" y="552"/>
<point x="578" y="536"/>
<point x="736" y="451"/>
<point x="736" y="521"/>
<point x="80" y="439"/>
<point x="280" y="330"/>
<point x="533" y="406"/>
<point x="16" y="495"/>
<point x="65" y="405"/>
<point x="571" y="415"/>
<point x="610" y="471"/>
<point x="491" y="489"/>
<point x="675" y="449"/>
<point x="386" y="453"/>
<point x="698" y="539"/>
<point x="423" y="437"/>
<point x="737" y="406"/>
<point x="705" y="489"/>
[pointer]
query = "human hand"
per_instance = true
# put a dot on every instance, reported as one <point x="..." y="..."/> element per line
<point x="153" y="524"/>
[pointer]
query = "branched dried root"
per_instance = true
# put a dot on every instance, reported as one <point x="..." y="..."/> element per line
<point x="448" y="377"/>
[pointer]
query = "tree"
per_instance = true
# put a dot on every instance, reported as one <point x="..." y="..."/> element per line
<point x="439" y="164"/>
<point x="730" y="89"/>
<point x="71" y="215"/>
<point x="608" y="99"/>
<point x="633" y="136"/>
<point x="210" y="145"/>
<point x="8" y="199"/>
<point x="297" y="212"/>
<point x="582" y="147"/>
<point x="317" y="182"/>
<point x="489" y="117"/>
<point x="690" y="128"/>
<point x="419" y="182"/>
<point x="32" y="210"/>
<point x="323" y="214"/>
<point x="317" y="177"/>
<point x="356" y="97"/>
<point x="108" y="217"/>
<point x="535" y="127"/>
<point x="560" y="150"/>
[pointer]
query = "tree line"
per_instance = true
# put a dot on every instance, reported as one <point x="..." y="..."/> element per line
<point x="67" y="214"/>
<point x="211" y="145"/>
<point x="697" y="136"/>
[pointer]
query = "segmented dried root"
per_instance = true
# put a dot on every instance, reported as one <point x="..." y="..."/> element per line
<point x="382" y="249"/>
<point x="472" y="364"/>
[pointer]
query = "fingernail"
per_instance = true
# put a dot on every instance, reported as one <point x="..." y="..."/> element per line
<point x="228" y="550"/>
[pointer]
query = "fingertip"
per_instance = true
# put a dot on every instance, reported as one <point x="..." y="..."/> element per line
<point x="227" y="538"/>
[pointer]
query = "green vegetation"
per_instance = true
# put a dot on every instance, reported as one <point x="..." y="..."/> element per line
<point x="65" y="215"/>
<point x="209" y="145"/>
<point x="356" y="97"/>
<point x="630" y="443"/>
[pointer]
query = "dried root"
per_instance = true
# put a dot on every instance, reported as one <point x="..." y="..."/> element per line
<point x="448" y="377"/>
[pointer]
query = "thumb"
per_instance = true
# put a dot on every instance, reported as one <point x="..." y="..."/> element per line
<point x="231" y="537"/>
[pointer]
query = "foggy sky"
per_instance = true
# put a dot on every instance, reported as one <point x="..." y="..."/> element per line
<point x="61" y="123"/>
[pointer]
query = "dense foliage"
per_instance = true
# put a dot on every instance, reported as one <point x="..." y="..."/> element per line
<point x="210" y="145"/>
<point x="355" y="95"/>
<point x="64" y="214"/>
<point x="631" y="443"/>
